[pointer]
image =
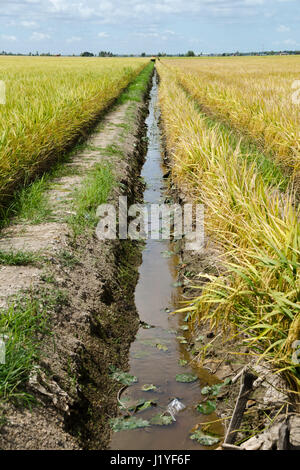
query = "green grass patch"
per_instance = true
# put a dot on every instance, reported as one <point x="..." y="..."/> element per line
<point x="113" y="150"/>
<point x="94" y="191"/>
<point x="136" y="90"/>
<point x="67" y="259"/>
<point x="32" y="204"/>
<point x="22" y="326"/>
<point x="18" y="258"/>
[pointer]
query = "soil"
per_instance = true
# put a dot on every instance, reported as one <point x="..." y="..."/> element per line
<point x="95" y="320"/>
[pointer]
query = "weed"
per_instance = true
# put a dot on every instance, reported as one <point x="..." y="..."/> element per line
<point x="22" y="326"/>
<point x="93" y="192"/>
<point x="18" y="258"/>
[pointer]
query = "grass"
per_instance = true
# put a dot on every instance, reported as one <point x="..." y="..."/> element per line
<point x="32" y="204"/>
<point x="136" y="90"/>
<point x="18" y="258"/>
<point x="113" y="150"/>
<point x="67" y="259"/>
<point x="22" y="326"/>
<point x="94" y="191"/>
<point x="255" y="225"/>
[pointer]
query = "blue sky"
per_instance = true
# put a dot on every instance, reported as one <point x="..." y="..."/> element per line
<point x="135" y="26"/>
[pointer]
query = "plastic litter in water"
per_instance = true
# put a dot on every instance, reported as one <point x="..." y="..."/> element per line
<point x="174" y="407"/>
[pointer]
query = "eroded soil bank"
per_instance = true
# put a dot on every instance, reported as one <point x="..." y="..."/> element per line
<point x="85" y="289"/>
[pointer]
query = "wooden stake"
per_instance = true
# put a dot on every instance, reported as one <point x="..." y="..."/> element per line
<point x="237" y="417"/>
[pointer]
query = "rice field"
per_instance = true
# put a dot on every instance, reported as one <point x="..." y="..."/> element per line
<point x="248" y="213"/>
<point x="50" y="102"/>
<point x="256" y="95"/>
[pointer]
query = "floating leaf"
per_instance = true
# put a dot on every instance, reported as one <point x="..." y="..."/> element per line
<point x="177" y="284"/>
<point x="122" y="403"/>
<point x="161" y="420"/>
<point x="182" y="362"/>
<point x="145" y="325"/>
<point x="141" y="354"/>
<point x="212" y="390"/>
<point x="204" y="439"/>
<point x="124" y="377"/>
<point x="172" y="331"/>
<point x="207" y="408"/>
<point x="186" y="378"/>
<point x="182" y="339"/>
<point x="128" y="423"/>
<point x="148" y="387"/>
<point x="188" y="316"/>
<point x="161" y="347"/>
<point x="146" y="405"/>
<point x="167" y="254"/>
<point x="199" y="338"/>
<point x="142" y="405"/>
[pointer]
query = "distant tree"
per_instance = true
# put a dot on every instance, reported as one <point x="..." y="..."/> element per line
<point x="87" y="54"/>
<point x="143" y="54"/>
<point x="106" y="54"/>
<point x="190" y="54"/>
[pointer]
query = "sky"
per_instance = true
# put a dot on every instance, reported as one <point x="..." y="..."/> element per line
<point x="150" y="26"/>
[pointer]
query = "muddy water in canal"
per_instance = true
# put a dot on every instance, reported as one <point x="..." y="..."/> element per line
<point x="155" y="297"/>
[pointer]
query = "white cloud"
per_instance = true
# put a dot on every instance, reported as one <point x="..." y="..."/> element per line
<point x="290" y="42"/>
<point x="103" y="35"/>
<point x="147" y="35"/>
<point x="8" y="37"/>
<point x="73" y="39"/>
<point x="39" y="36"/>
<point x="283" y="29"/>
<point x="112" y="12"/>
<point x="28" y="24"/>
